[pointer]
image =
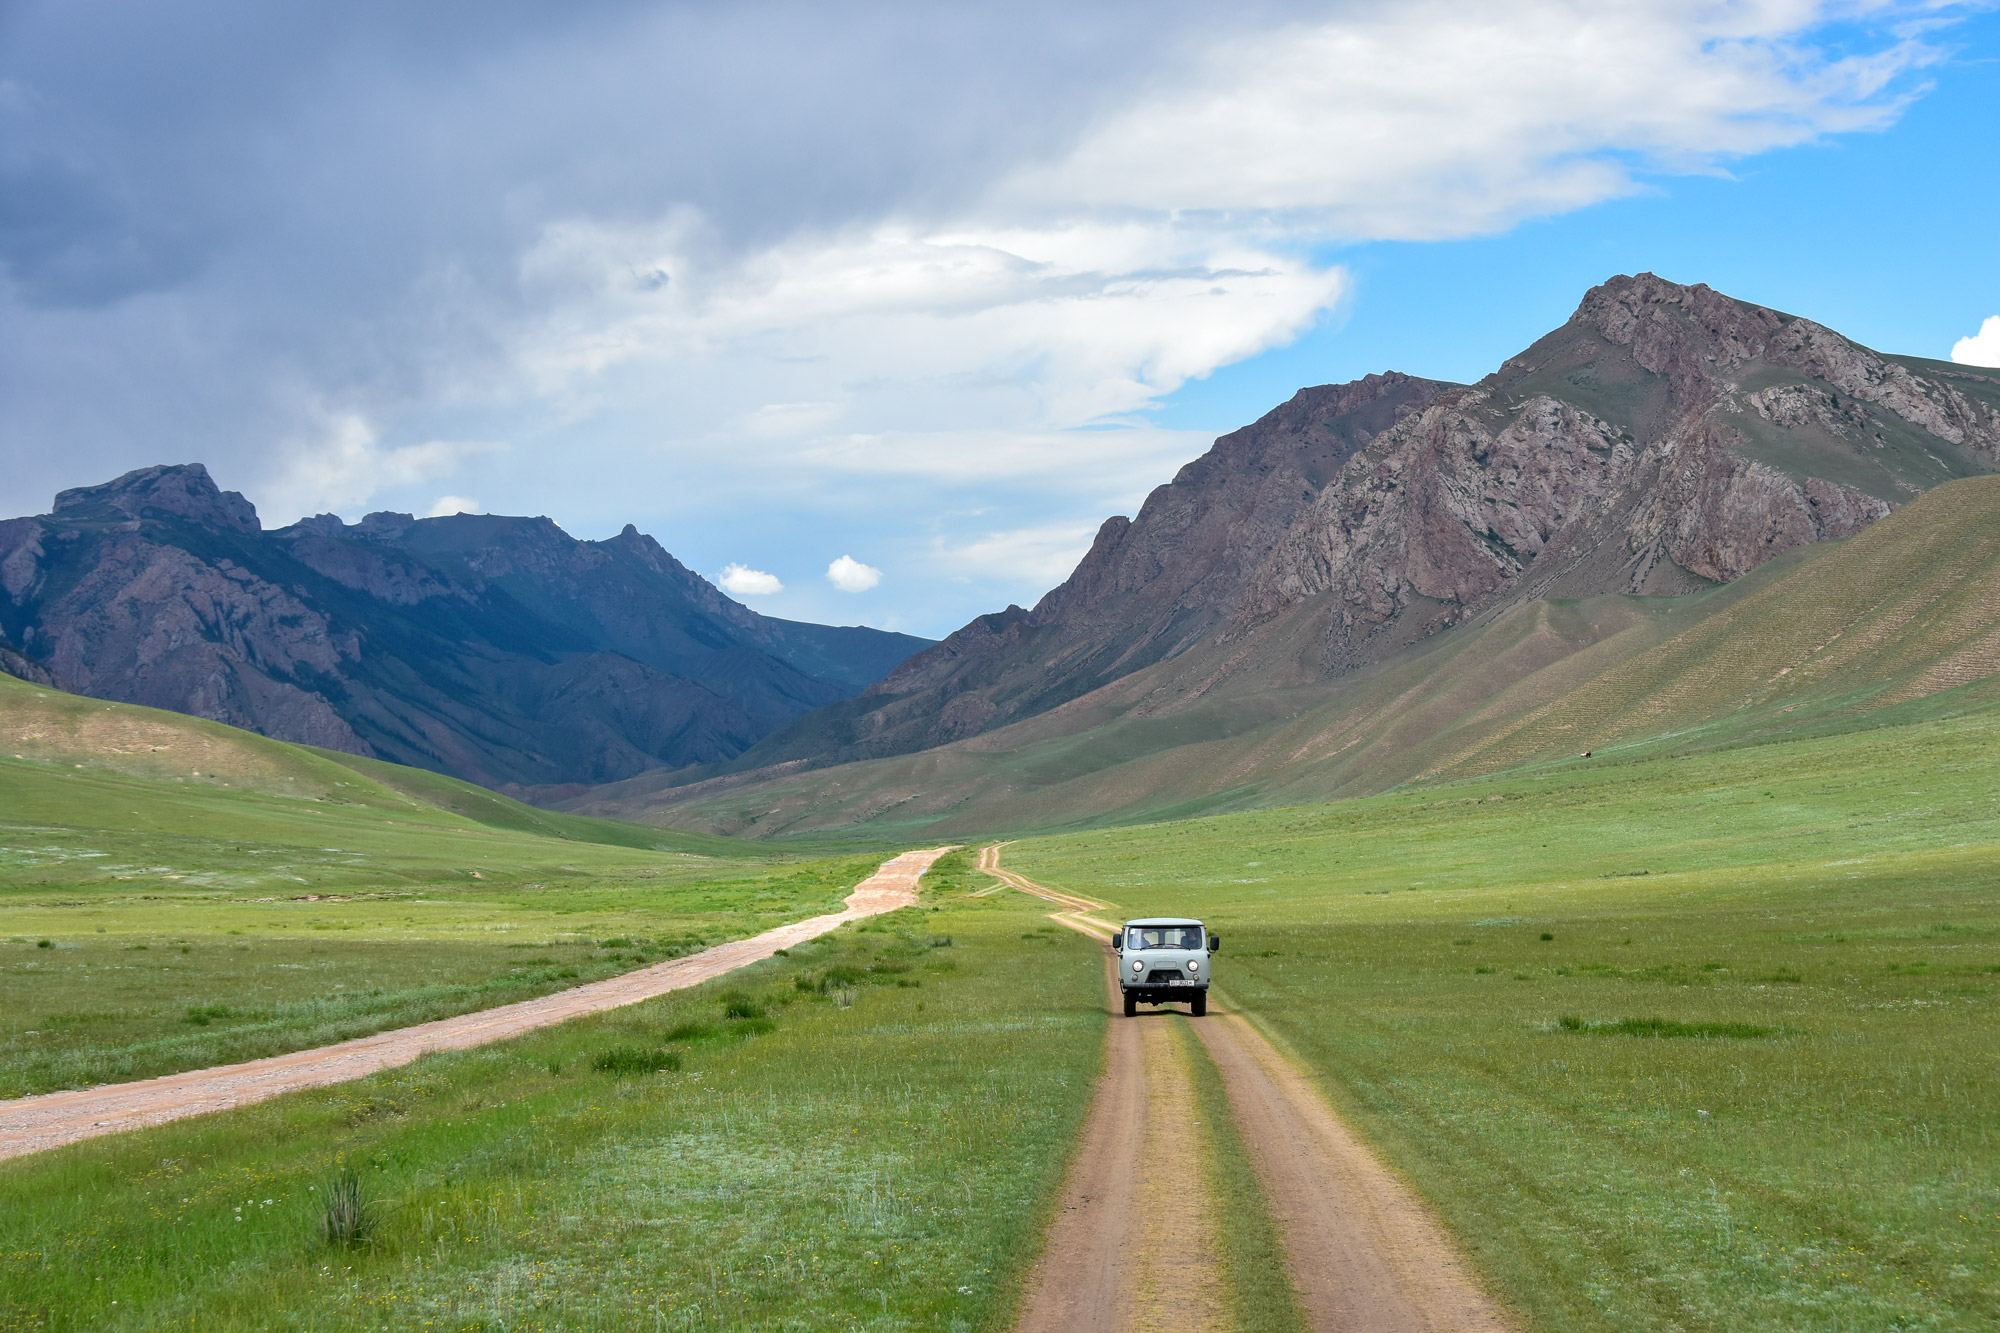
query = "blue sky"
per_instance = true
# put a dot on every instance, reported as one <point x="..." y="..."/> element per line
<point x="930" y="289"/>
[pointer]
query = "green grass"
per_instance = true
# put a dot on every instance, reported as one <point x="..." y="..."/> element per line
<point x="193" y="923"/>
<point x="1701" y="1042"/>
<point x="877" y="1158"/>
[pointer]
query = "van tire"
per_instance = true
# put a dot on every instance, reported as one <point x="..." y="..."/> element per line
<point x="1198" y="1004"/>
<point x="1131" y="1005"/>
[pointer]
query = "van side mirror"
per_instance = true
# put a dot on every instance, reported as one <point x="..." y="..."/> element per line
<point x="1215" y="944"/>
<point x="1117" y="939"/>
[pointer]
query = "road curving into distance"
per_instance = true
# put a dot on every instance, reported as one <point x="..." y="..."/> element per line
<point x="33" y="1124"/>
<point x="1363" y="1252"/>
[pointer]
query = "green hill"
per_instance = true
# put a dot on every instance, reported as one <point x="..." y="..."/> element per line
<point x="1899" y="623"/>
<point x="50" y="731"/>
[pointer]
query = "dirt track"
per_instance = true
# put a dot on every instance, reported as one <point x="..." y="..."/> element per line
<point x="1363" y="1252"/>
<point x="31" y="1124"/>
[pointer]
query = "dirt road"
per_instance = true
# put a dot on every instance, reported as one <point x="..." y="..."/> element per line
<point x="31" y="1124"/>
<point x="1362" y="1250"/>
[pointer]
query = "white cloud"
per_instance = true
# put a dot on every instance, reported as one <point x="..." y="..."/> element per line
<point x="743" y="581"/>
<point x="1043" y="555"/>
<point x="850" y="575"/>
<point x="1052" y="326"/>
<point x="447" y="505"/>
<point x="1442" y="119"/>
<point x="342" y="465"/>
<point x="786" y="420"/>
<point x="1982" y="348"/>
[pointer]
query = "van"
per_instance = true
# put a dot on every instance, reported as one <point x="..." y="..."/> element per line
<point x="1164" y="960"/>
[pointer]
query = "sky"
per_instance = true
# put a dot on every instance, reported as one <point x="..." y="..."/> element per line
<point x="872" y="312"/>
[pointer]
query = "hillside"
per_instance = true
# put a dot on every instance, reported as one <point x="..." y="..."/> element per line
<point x="499" y="650"/>
<point x="155" y="755"/>
<point x="1666" y="439"/>
<point x="1898" y="623"/>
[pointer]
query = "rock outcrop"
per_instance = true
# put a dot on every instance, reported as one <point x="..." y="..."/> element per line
<point x="1666" y="438"/>
<point x="497" y="649"/>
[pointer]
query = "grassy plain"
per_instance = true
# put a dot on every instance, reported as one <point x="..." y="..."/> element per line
<point x="1834" y="901"/>
<point x="258" y="897"/>
<point x="868" y="1142"/>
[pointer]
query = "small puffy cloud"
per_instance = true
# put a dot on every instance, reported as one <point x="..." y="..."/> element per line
<point x="447" y="505"/>
<point x="1982" y="348"/>
<point x="744" y="581"/>
<point x="850" y="575"/>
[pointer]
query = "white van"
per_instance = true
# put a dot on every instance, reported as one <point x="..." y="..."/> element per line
<point x="1163" y="960"/>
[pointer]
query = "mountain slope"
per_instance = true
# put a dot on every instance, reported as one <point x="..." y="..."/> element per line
<point x="1666" y="439"/>
<point x="1898" y="623"/>
<point x="52" y="732"/>
<point x="500" y="650"/>
<point x="1149" y="589"/>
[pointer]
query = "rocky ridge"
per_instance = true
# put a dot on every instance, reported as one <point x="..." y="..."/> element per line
<point x="1665" y="439"/>
<point x="497" y="649"/>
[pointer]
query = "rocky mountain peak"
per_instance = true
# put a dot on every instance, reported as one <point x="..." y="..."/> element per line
<point x="1664" y="439"/>
<point x="182" y="491"/>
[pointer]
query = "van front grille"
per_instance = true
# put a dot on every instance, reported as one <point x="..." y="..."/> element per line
<point x="1161" y="976"/>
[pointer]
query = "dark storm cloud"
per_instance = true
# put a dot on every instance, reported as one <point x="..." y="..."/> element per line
<point x="263" y="208"/>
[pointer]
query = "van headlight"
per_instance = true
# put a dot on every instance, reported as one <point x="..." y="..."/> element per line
<point x="1194" y="964"/>
<point x="1138" y="965"/>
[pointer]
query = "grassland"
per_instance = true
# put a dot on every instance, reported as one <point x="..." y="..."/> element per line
<point x="1699" y="1041"/>
<point x="175" y="893"/>
<point x="861" y="1134"/>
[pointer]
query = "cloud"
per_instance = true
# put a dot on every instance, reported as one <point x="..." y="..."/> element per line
<point x="1982" y="348"/>
<point x="447" y="505"/>
<point x="1444" y="119"/>
<point x="850" y="575"/>
<point x="743" y="581"/>
<point x="1050" y="326"/>
<point x="342" y="465"/>
<point x="1043" y="555"/>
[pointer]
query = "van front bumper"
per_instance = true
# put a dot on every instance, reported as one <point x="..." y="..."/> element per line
<point x="1164" y="992"/>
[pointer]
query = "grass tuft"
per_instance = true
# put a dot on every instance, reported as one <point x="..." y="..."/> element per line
<point x="346" y="1217"/>
<point x="626" y="1061"/>
<point x="736" y="1004"/>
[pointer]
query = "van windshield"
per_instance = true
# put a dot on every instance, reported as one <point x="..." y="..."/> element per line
<point x="1163" y="937"/>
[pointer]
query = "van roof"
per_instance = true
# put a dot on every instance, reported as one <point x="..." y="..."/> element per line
<point x="1164" y="921"/>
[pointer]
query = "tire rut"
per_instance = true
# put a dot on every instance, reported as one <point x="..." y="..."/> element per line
<point x="1363" y="1251"/>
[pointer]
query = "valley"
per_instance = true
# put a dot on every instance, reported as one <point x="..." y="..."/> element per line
<point x="1593" y="772"/>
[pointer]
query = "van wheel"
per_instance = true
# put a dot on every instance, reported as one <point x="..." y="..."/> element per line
<point x="1198" y="1004"/>
<point x="1131" y="1006"/>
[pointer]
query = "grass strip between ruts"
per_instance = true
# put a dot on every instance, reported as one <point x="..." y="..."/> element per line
<point x="1253" y="1256"/>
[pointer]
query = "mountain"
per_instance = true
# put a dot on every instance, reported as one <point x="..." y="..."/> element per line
<point x="1393" y="550"/>
<point x="500" y="650"/>
<point x="1149" y="589"/>
<point x="1898" y="624"/>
